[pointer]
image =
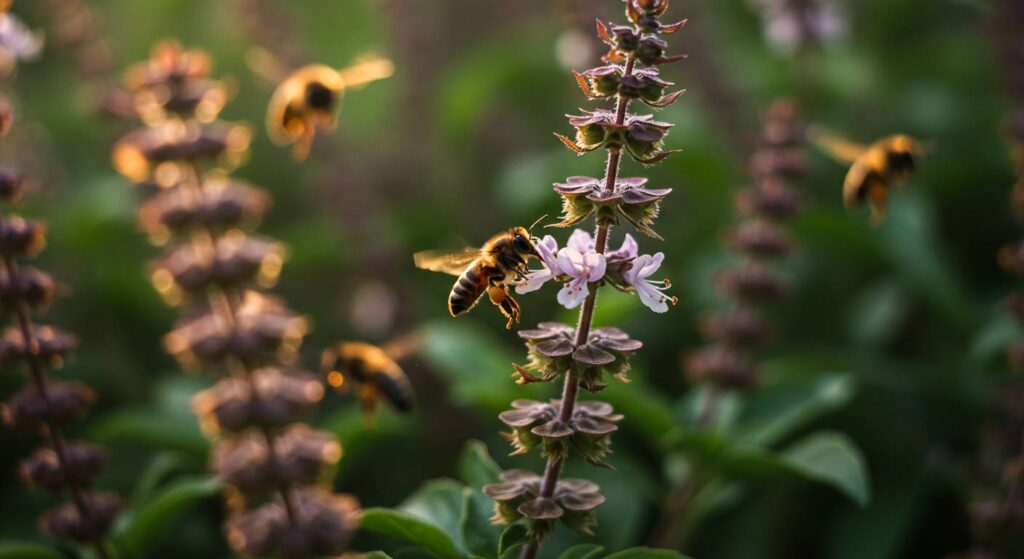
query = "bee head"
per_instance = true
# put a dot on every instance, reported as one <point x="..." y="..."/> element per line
<point x="522" y="240"/>
<point x="903" y="153"/>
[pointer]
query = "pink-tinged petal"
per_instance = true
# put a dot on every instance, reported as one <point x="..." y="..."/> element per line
<point x="628" y="250"/>
<point x="534" y="281"/>
<point x="570" y="261"/>
<point x="595" y="264"/>
<point x="651" y="297"/>
<point x="573" y="293"/>
<point x="649" y="266"/>
<point x="581" y="241"/>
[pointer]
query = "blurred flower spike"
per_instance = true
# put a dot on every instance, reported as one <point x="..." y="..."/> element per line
<point x="310" y="98"/>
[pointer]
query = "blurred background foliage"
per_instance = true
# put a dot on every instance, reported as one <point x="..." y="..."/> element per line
<point x="893" y="336"/>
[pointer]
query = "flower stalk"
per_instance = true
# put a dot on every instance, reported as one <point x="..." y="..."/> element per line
<point x="276" y="468"/>
<point x="584" y="355"/>
<point x="46" y="405"/>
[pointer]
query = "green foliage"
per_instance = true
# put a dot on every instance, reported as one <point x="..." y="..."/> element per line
<point x="24" y="550"/>
<point x="145" y="524"/>
<point x="410" y="529"/>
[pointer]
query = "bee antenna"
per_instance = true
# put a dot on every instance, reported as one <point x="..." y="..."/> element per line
<point x="535" y="223"/>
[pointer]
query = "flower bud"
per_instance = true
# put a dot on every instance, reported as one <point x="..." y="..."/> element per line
<point x="771" y="199"/>
<point x="761" y="239"/>
<point x="237" y="259"/>
<point x="753" y="284"/>
<point x="740" y="327"/>
<point x="301" y="456"/>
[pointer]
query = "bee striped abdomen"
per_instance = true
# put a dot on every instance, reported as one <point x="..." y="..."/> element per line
<point x="467" y="290"/>
<point x="397" y="390"/>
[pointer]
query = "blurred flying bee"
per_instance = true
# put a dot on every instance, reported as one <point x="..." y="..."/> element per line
<point x="874" y="169"/>
<point x="372" y="371"/>
<point x="308" y="98"/>
<point x="490" y="269"/>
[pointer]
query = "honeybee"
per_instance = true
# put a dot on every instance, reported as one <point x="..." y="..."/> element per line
<point x="490" y="268"/>
<point x="370" y="370"/>
<point x="874" y="169"/>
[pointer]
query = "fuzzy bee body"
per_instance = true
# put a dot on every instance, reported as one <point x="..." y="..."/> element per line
<point x="489" y="269"/>
<point x="874" y="169"/>
<point x="370" y="370"/>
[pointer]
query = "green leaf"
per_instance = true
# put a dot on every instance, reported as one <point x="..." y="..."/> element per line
<point x="833" y="459"/>
<point x="146" y="427"/>
<point x="26" y="550"/>
<point x="439" y="502"/>
<point x="377" y="555"/>
<point x="774" y="411"/>
<point x="582" y="551"/>
<point x="476" y="467"/>
<point x="477" y="534"/>
<point x="512" y="538"/>
<point x="646" y="553"/>
<point x="410" y="529"/>
<point x="144" y="524"/>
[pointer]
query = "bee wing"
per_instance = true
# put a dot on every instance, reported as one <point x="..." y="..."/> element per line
<point x="446" y="262"/>
<point x="835" y="146"/>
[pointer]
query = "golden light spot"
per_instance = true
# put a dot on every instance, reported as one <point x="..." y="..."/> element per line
<point x="315" y="391"/>
<point x="332" y="453"/>
<point x="335" y="379"/>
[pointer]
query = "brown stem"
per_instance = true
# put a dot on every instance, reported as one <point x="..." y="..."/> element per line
<point x="572" y="385"/>
<point x="224" y="303"/>
<point x="38" y="375"/>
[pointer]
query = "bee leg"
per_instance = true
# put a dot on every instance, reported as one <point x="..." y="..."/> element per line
<point x="509" y="307"/>
<point x="368" y="402"/>
<point x="879" y="197"/>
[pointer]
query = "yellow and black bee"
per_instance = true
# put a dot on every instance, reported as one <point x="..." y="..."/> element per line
<point x="372" y="372"/>
<point x="874" y="169"/>
<point x="490" y="269"/>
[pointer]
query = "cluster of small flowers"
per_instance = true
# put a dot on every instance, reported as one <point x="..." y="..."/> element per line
<point x="997" y="513"/>
<point x="582" y="355"/>
<point x="47" y="406"/>
<point x="277" y="468"/>
<point x="766" y="205"/>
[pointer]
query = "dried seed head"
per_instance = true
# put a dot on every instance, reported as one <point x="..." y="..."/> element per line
<point x="67" y="522"/>
<point x="283" y="399"/>
<point x="761" y="239"/>
<point x="588" y="431"/>
<point x="237" y="260"/>
<point x="221" y="205"/>
<point x="302" y="456"/>
<point x="83" y="464"/>
<point x="723" y="367"/>
<point x="325" y="523"/>
<point x="263" y="327"/>
<point x="551" y="353"/>
<point x="48" y="344"/>
<point x="139" y="153"/>
<point x="21" y="237"/>
<point x="753" y="284"/>
<point x="29" y="286"/>
<point x="740" y="327"/>
<point x="64" y="403"/>
<point x="518" y="496"/>
<point x="770" y="199"/>
<point x="12" y="183"/>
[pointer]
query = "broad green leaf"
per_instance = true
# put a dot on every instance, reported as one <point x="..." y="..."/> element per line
<point x="512" y="538"/>
<point x="476" y="467"/>
<point x="148" y="521"/>
<point x="831" y="458"/>
<point x="478" y="368"/>
<point x="146" y="427"/>
<point x="26" y="550"/>
<point x="440" y="503"/>
<point x="377" y="555"/>
<point x="477" y="534"/>
<point x="646" y="553"/>
<point x="158" y="469"/>
<point x="773" y="411"/>
<point x="410" y="529"/>
<point x="582" y="551"/>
